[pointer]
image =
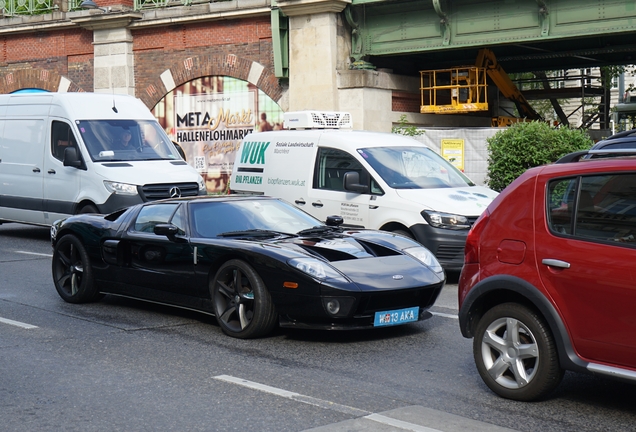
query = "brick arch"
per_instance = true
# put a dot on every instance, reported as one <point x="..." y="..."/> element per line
<point x="201" y="66"/>
<point x="36" y="78"/>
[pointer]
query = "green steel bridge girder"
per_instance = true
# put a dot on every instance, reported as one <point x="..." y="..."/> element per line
<point x="403" y="27"/>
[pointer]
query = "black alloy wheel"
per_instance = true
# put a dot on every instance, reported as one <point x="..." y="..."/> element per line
<point x="515" y="353"/>
<point x="72" y="271"/>
<point x="242" y="304"/>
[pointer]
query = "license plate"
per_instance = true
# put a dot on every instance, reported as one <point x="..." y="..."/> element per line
<point x="396" y="317"/>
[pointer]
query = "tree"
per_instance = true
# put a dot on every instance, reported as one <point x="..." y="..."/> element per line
<point x="403" y="128"/>
<point x="513" y="150"/>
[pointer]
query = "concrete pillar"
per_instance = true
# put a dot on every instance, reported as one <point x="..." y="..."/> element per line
<point x="113" y="49"/>
<point x="114" y="61"/>
<point x="315" y="52"/>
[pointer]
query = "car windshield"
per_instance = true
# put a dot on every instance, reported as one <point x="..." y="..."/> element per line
<point x="126" y="140"/>
<point x="210" y="219"/>
<point x="414" y="168"/>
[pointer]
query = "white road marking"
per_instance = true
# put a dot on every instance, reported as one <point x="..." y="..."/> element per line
<point x="445" y="315"/>
<point x="17" y="324"/>
<point x="325" y="404"/>
<point x="34" y="253"/>
<point x="399" y="423"/>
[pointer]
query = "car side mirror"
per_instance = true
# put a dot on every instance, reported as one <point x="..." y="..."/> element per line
<point x="352" y="183"/>
<point x="72" y="158"/>
<point x="334" y="220"/>
<point x="168" y="230"/>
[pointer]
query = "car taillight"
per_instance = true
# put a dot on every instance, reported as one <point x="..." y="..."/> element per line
<point x="471" y="251"/>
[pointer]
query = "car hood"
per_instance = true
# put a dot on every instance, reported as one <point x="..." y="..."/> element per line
<point x="370" y="261"/>
<point x="465" y="201"/>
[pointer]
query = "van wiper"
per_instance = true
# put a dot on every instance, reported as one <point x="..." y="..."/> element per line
<point x="319" y="229"/>
<point x="255" y="233"/>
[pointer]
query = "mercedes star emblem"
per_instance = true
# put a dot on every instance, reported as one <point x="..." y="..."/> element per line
<point x="175" y="192"/>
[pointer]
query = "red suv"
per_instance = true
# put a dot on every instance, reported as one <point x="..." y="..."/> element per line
<point x="549" y="280"/>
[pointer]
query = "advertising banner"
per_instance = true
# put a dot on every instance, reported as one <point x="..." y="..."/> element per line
<point x="210" y="128"/>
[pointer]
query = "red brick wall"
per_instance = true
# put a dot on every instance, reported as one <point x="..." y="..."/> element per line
<point x="406" y="102"/>
<point x="226" y="47"/>
<point x="191" y="51"/>
<point x="37" y="60"/>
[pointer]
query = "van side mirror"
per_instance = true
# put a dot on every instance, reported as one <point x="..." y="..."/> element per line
<point x="352" y="183"/>
<point x="72" y="158"/>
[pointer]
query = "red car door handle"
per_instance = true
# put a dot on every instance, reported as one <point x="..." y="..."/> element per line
<point x="555" y="263"/>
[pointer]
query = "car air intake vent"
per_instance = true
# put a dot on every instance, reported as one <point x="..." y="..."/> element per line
<point x="151" y="192"/>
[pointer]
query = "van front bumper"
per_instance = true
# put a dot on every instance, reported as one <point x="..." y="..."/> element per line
<point x="447" y="245"/>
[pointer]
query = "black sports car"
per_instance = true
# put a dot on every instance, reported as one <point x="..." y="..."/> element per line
<point x="253" y="262"/>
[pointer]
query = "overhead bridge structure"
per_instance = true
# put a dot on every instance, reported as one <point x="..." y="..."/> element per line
<point x="402" y="38"/>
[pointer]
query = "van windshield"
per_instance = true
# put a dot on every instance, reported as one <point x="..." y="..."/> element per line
<point x="414" y="168"/>
<point x="126" y="140"/>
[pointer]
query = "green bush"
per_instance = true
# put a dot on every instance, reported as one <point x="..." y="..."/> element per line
<point x="525" y="145"/>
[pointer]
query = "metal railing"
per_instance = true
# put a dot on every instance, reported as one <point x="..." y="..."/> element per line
<point x="10" y="8"/>
<point x="27" y="7"/>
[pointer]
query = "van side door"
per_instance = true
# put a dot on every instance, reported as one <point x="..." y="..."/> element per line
<point x="21" y="168"/>
<point x="61" y="183"/>
<point x="327" y="195"/>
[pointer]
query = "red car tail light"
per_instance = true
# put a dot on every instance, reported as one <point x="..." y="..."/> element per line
<point x="471" y="251"/>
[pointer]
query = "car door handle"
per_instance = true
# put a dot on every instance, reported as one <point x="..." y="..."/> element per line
<point x="51" y="171"/>
<point x="317" y="204"/>
<point x="36" y="170"/>
<point x="556" y="263"/>
<point x="300" y="201"/>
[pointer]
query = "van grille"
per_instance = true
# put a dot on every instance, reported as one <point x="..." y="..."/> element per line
<point x="152" y="192"/>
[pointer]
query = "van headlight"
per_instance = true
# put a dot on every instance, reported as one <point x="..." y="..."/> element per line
<point x="120" y="188"/>
<point x="426" y="257"/>
<point x="202" y="187"/>
<point x="316" y="268"/>
<point x="446" y="220"/>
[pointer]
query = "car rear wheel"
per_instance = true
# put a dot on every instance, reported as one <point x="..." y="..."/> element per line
<point x="515" y="353"/>
<point x="242" y="304"/>
<point x="72" y="271"/>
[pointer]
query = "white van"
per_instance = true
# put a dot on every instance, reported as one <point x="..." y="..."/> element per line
<point x="69" y="153"/>
<point x="373" y="180"/>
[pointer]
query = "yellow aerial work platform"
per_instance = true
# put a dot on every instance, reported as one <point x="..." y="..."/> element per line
<point x="452" y="91"/>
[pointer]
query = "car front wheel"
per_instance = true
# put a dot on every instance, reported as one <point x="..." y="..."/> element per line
<point x="72" y="271"/>
<point x="242" y="304"/>
<point x="515" y="353"/>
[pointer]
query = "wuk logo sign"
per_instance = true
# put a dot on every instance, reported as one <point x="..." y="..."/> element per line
<point x="254" y="152"/>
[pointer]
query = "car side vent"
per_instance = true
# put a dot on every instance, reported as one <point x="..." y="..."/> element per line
<point x="152" y="192"/>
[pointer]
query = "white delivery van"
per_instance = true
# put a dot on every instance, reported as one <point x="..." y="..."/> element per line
<point x="69" y="153"/>
<point x="373" y="180"/>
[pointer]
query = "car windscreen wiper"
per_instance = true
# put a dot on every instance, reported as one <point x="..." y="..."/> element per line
<point x="255" y="233"/>
<point x="319" y="229"/>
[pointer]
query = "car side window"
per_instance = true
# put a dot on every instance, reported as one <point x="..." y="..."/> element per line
<point x="331" y="167"/>
<point x="151" y="215"/>
<point x="601" y="207"/>
<point x="61" y="138"/>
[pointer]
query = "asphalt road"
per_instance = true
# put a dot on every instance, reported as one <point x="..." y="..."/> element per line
<point x="123" y="365"/>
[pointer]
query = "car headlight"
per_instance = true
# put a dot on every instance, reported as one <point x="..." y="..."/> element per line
<point x="120" y="188"/>
<point x="315" y="268"/>
<point x="426" y="257"/>
<point x="202" y="187"/>
<point x="446" y="220"/>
